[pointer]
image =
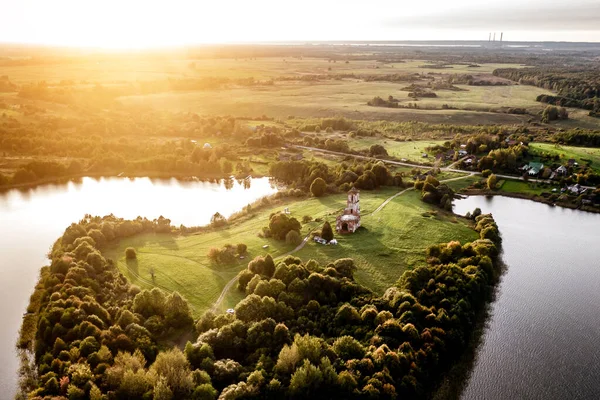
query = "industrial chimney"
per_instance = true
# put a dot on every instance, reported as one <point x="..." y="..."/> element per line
<point x="490" y="37"/>
<point x="501" y="34"/>
<point x="494" y="36"/>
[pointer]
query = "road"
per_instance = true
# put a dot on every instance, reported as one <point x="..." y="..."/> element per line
<point x="405" y="164"/>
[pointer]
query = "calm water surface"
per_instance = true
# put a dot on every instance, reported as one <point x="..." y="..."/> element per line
<point x="543" y="338"/>
<point x="31" y="220"/>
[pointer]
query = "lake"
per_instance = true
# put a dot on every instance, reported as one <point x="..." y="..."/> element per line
<point x="543" y="336"/>
<point x="32" y="219"/>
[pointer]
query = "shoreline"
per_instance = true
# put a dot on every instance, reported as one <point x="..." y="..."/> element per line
<point x="150" y="174"/>
<point x="532" y="197"/>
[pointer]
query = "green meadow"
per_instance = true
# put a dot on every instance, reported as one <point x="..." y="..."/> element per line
<point x="390" y="241"/>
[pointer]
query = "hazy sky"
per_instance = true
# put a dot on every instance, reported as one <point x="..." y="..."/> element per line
<point x="144" y="23"/>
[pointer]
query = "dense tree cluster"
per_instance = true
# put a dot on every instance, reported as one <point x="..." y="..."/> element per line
<point x="362" y="175"/>
<point x="576" y="86"/>
<point x="84" y="319"/>
<point x="433" y="192"/>
<point x="130" y="142"/>
<point x="307" y="330"/>
<point x="280" y="225"/>
<point x="578" y="137"/>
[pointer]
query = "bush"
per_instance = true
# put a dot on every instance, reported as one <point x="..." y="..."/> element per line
<point x="318" y="187"/>
<point x="130" y="253"/>
<point x="293" y="237"/>
<point x="242" y="248"/>
<point x="327" y="232"/>
<point x="492" y="181"/>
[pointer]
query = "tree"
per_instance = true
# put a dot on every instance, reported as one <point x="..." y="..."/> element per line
<point x="318" y="187"/>
<point x="377" y="149"/>
<point x="130" y="253"/>
<point x="293" y="237"/>
<point x="492" y="181"/>
<point x="327" y="232"/>
<point x="218" y="220"/>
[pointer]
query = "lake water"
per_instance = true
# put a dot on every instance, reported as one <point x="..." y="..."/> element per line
<point x="32" y="219"/>
<point x="543" y="336"/>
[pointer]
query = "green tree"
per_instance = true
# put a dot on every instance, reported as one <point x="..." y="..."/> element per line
<point x="293" y="238"/>
<point x="130" y="253"/>
<point x="326" y="231"/>
<point x="318" y="187"/>
<point x="492" y="181"/>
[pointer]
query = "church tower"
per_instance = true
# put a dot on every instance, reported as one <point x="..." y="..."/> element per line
<point x="353" y="204"/>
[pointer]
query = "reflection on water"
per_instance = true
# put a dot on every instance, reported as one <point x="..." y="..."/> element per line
<point x="543" y="335"/>
<point x="31" y="219"/>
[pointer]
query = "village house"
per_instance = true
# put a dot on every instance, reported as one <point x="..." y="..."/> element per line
<point x="349" y="221"/>
<point x="562" y="171"/>
<point x="470" y="161"/>
<point x="462" y="153"/>
<point x="533" y="168"/>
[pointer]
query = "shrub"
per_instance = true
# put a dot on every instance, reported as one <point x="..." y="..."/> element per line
<point x="293" y="237"/>
<point x="318" y="187"/>
<point x="242" y="248"/>
<point x="326" y="231"/>
<point x="130" y="253"/>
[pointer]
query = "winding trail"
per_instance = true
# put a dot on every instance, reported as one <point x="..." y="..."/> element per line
<point x="217" y="302"/>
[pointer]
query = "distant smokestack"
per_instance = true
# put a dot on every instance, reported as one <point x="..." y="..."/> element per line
<point x="501" y="34"/>
<point x="494" y="36"/>
<point x="490" y="37"/>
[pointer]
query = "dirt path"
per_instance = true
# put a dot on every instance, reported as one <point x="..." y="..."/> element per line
<point x="233" y="280"/>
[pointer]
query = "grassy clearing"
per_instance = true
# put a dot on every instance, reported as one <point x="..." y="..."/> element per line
<point x="412" y="151"/>
<point x="583" y="155"/>
<point x="512" y="186"/>
<point x="392" y="240"/>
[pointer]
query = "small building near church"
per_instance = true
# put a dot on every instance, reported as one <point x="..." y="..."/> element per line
<point x="349" y="221"/>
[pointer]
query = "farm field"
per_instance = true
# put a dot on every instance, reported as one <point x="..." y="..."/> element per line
<point x="347" y="98"/>
<point x="280" y="88"/>
<point x="385" y="248"/>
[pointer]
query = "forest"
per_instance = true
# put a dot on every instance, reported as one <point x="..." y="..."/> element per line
<point x="304" y="328"/>
<point x="575" y="86"/>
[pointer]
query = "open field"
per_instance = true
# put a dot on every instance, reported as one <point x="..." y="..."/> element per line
<point x="280" y="91"/>
<point x="583" y="155"/>
<point x="513" y="186"/>
<point x="347" y="98"/>
<point x="107" y="69"/>
<point x="392" y="240"/>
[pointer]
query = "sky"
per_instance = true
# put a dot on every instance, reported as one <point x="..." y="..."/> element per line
<point x="149" y="23"/>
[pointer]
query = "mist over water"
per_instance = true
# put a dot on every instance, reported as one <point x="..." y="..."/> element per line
<point x="543" y="334"/>
<point x="32" y="219"/>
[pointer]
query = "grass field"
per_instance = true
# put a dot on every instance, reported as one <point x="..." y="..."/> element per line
<point x="279" y="98"/>
<point x="513" y="186"/>
<point x="583" y="155"/>
<point x="117" y="69"/>
<point x="392" y="241"/>
<point x="348" y="98"/>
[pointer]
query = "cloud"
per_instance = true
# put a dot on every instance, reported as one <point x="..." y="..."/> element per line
<point x="573" y="16"/>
